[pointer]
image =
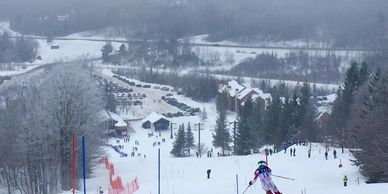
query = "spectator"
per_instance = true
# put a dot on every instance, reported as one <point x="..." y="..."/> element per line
<point x="208" y="173"/>
<point x="345" y="181"/>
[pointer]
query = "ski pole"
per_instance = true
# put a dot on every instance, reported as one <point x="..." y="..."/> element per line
<point x="246" y="189"/>
<point x="283" y="177"/>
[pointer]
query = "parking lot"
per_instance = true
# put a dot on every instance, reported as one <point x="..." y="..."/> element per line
<point x="137" y="99"/>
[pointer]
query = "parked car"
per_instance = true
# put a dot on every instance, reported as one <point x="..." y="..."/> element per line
<point x="169" y="94"/>
<point x="169" y="115"/>
<point x="147" y="86"/>
<point x="138" y="85"/>
<point x="165" y="89"/>
<point x="156" y="87"/>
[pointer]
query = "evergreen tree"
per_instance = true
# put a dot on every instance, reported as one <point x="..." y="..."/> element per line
<point x="189" y="139"/>
<point x="107" y="49"/>
<point x="257" y="123"/>
<point x="363" y="73"/>
<point x="337" y="112"/>
<point x="111" y="102"/>
<point x="221" y="138"/>
<point x="308" y="113"/>
<point x="178" y="148"/>
<point x="271" y="120"/>
<point x="123" y="49"/>
<point x="371" y="132"/>
<point x="344" y="100"/>
<point x="351" y="84"/>
<point x="309" y="126"/>
<point x="222" y="102"/>
<point x="285" y="122"/>
<point x="244" y="139"/>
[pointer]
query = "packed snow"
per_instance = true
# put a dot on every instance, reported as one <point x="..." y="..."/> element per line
<point x="188" y="175"/>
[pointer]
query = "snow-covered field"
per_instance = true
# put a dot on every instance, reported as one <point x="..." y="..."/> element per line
<point x="69" y="50"/>
<point x="280" y="48"/>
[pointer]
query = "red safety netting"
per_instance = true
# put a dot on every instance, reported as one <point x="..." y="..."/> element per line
<point x="116" y="185"/>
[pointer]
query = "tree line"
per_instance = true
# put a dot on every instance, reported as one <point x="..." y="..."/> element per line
<point x="335" y="22"/>
<point x="279" y="122"/>
<point x="359" y="119"/>
<point x="298" y="66"/>
<point x="19" y="49"/>
<point x="37" y="124"/>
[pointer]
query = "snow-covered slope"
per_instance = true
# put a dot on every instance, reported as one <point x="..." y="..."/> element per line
<point x="188" y="175"/>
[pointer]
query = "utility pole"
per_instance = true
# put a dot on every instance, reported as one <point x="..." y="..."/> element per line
<point x="171" y="125"/>
<point x="199" y="138"/>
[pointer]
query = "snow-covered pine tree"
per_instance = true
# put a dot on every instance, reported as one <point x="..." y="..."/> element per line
<point x="179" y="144"/>
<point x="222" y="137"/>
<point x="244" y="139"/>
<point x="189" y="139"/>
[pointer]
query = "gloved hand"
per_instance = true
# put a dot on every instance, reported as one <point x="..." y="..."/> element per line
<point x="250" y="183"/>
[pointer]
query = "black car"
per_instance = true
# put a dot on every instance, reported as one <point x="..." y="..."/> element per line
<point x="169" y="115"/>
<point x="138" y="85"/>
<point x="147" y="86"/>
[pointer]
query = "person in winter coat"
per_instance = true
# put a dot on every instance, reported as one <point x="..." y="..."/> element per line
<point x="208" y="173"/>
<point x="264" y="174"/>
<point x="345" y="181"/>
<point x="326" y="154"/>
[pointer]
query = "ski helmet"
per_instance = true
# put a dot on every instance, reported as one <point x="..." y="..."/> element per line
<point x="262" y="163"/>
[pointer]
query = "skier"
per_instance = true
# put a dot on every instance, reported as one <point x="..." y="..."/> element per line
<point x="264" y="173"/>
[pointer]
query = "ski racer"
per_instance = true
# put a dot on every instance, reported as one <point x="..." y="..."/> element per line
<point x="264" y="173"/>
